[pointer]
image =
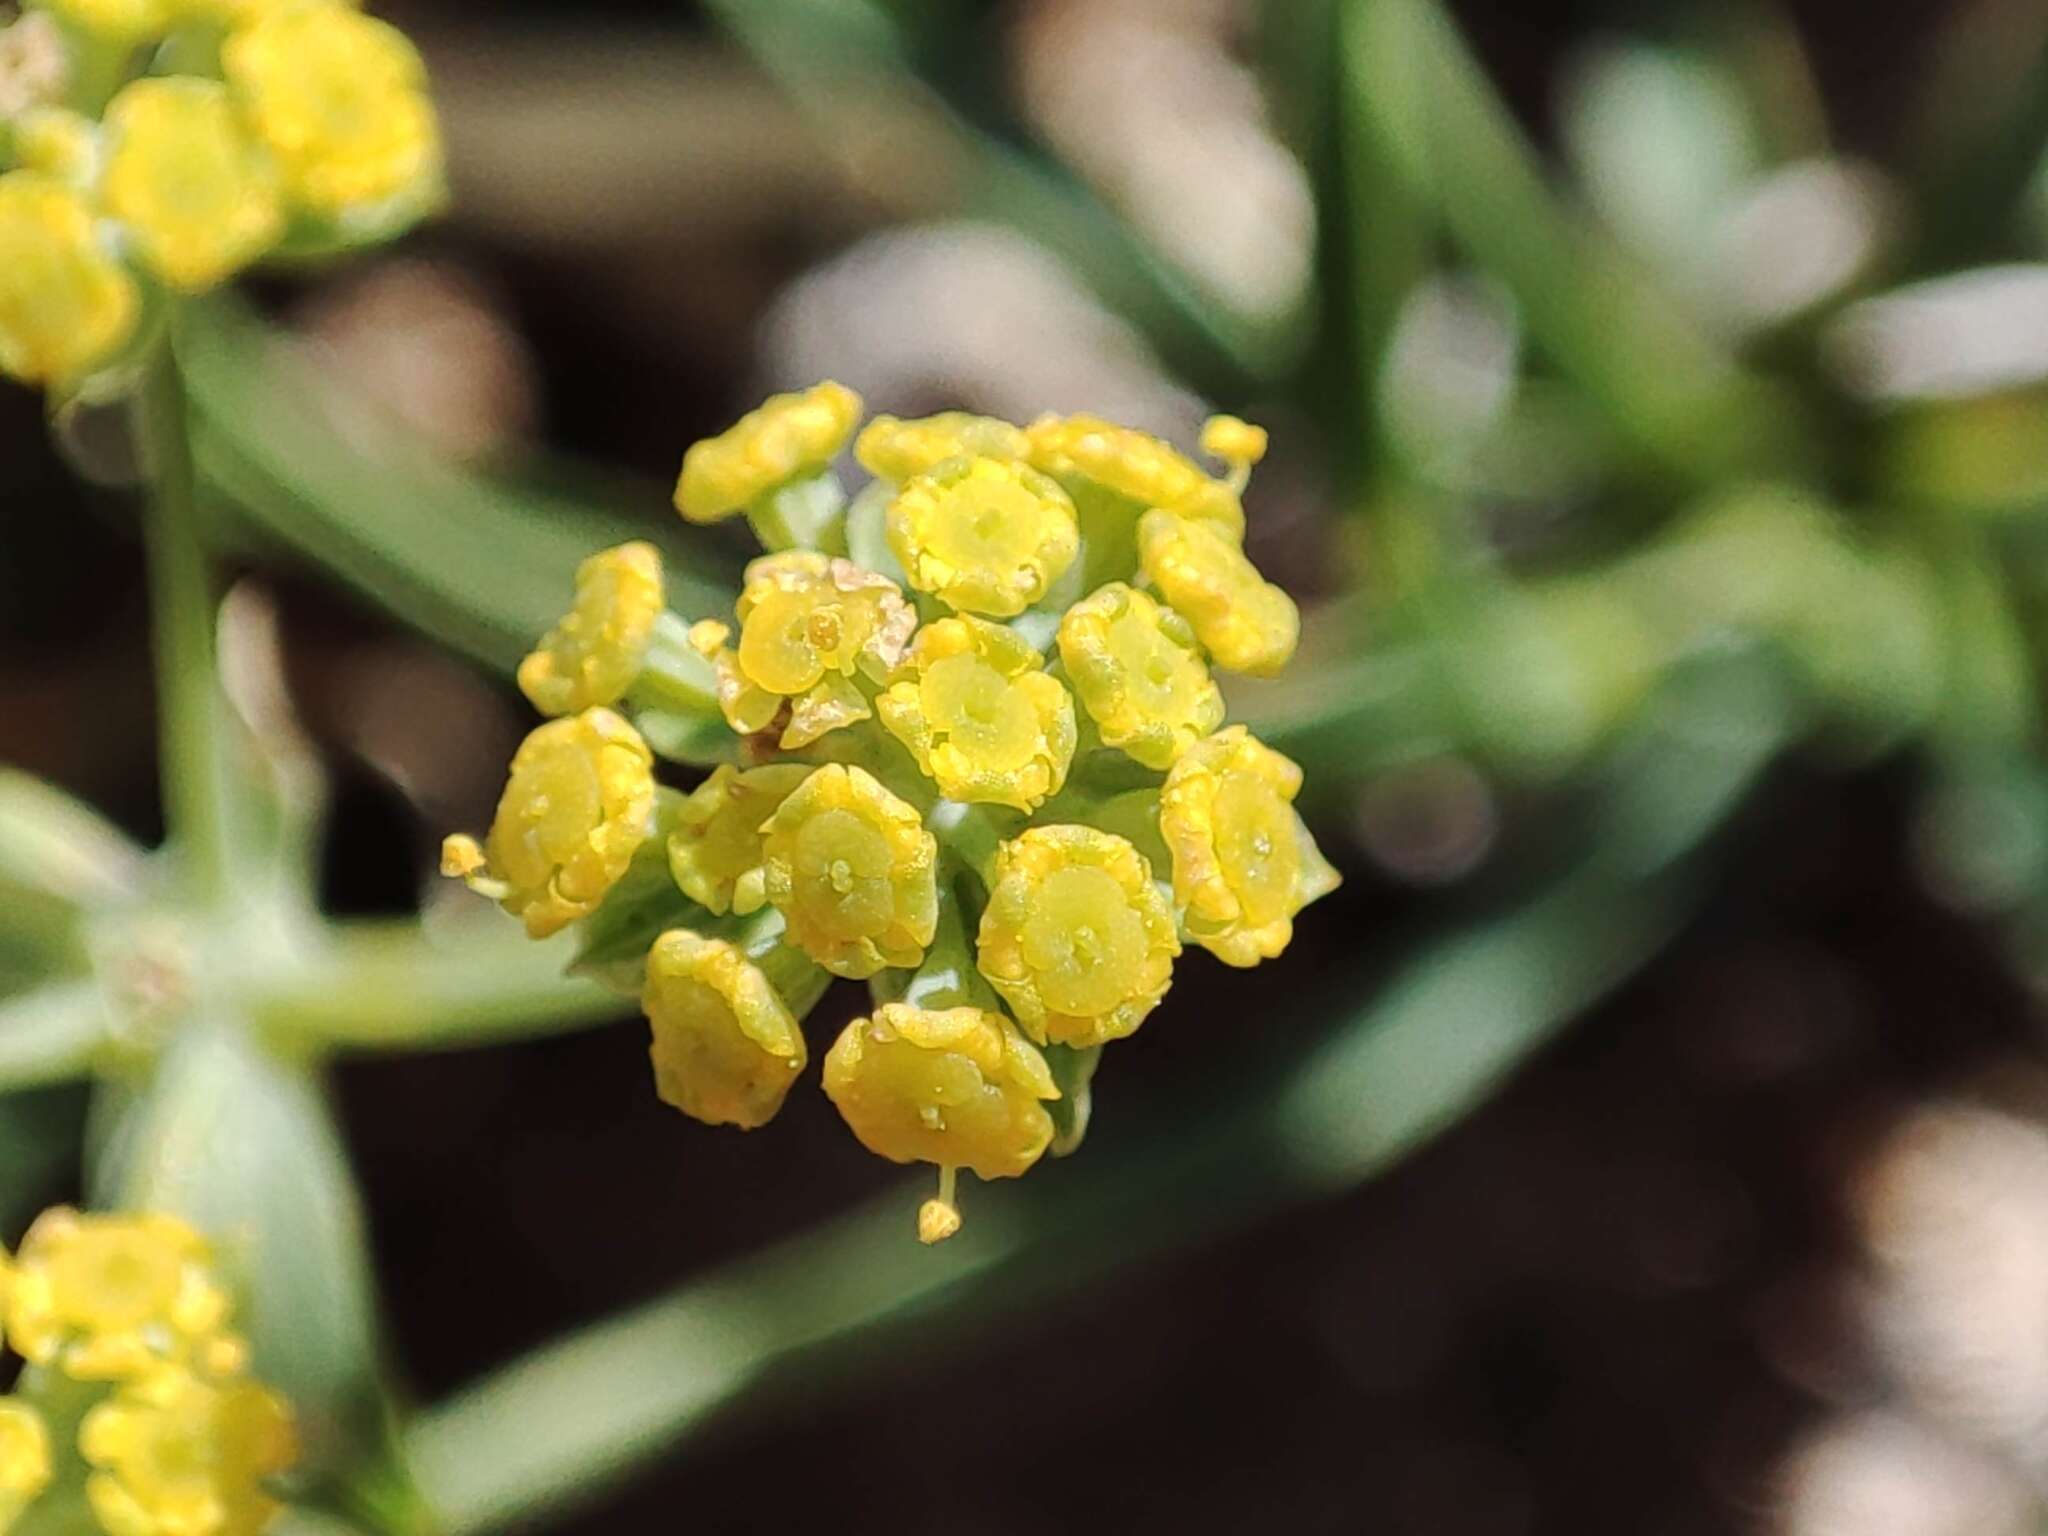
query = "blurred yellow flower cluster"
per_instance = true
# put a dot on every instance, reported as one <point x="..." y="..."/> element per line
<point x="188" y="140"/>
<point x="134" y="1409"/>
<point x="965" y="745"/>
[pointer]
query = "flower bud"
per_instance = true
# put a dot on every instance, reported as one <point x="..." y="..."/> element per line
<point x="102" y="1297"/>
<point x="853" y="871"/>
<point x="1134" y="465"/>
<point x="726" y="1047"/>
<point x="340" y="99"/>
<point x="175" y="1452"/>
<point x="983" y="535"/>
<point x="785" y="438"/>
<point x="198" y="199"/>
<point x="579" y="801"/>
<point x="892" y="449"/>
<point x="1076" y="936"/>
<point x="595" y="651"/>
<point x="64" y="302"/>
<point x="809" y="624"/>
<point x="959" y="1087"/>
<point x="1141" y="676"/>
<point x="1243" y="862"/>
<point x="1248" y="624"/>
<point x="976" y="709"/>
<point x="715" y="850"/>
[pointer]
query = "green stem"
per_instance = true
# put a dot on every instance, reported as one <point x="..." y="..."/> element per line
<point x="183" y="602"/>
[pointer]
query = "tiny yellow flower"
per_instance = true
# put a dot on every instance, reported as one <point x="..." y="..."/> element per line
<point x="958" y="1087"/>
<point x="62" y="144"/>
<point x="714" y="852"/>
<point x="179" y="1454"/>
<point x="340" y="99"/>
<point x="64" y="302"/>
<point x="893" y="449"/>
<point x="976" y="709"/>
<point x="1243" y="862"/>
<point x="594" y="652"/>
<point x="810" y="624"/>
<point x="1233" y="441"/>
<point x="578" y="802"/>
<point x="725" y="1046"/>
<point x="24" y="1458"/>
<point x="853" y="872"/>
<point x="783" y="439"/>
<point x="102" y="1297"/>
<point x="1248" y="624"/>
<point x="1140" y="674"/>
<point x="1076" y="936"/>
<point x="1134" y="465"/>
<point x="198" y="199"/>
<point x="983" y="535"/>
<point x="121" y="22"/>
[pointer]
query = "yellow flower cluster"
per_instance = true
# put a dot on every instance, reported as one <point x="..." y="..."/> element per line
<point x="986" y="772"/>
<point x="173" y="1437"/>
<point x="316" y="129"/>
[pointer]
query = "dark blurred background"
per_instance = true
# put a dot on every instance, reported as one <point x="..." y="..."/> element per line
<point x="1760" y="1244"/>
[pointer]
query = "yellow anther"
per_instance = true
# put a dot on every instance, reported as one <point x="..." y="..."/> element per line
<point x="64" y="302"/>
<point x="1076" y="936"/>
<point x="708" y="637"/>
<point x="197" y="197"/>
<point x="1248" y="624"/>
<point x="715" y="850"/>
<point x="594" y="653"/>
<point x="1140" y="674"/>
<point x="979" y="714"/>
<point x="1233" y="441"/>
<point x="853" y="872"/>
<point x="1243" y="862"/>
<point x="103" y="1297"/>
<point x="893" y="449"/>
<point x="578" y="802"/>
<point x="783" y="439"/>
<point x="726" y="1048"/>
<point x="987" y="536"/>
<point x="958" y="1087"/>
<point x="178" y="1454"/>
<point x="809" y="626"/>
<point x="341" y="100"/>
<point x="1134" y="465"/>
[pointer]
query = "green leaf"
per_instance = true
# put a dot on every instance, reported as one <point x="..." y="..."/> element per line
<point x="1420" y="101"/>
<point x="482" y="565"/>
<point x="243" y="1145"/>
<point x="829" y="53"/>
